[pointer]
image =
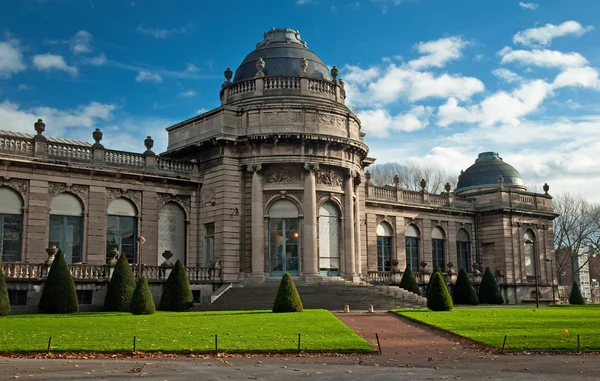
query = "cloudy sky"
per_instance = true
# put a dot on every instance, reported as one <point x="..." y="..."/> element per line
<point x="434" y="82"/>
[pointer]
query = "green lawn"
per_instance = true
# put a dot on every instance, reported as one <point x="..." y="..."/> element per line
<point x="526" y="328"/>
<point x="238" y="331"/>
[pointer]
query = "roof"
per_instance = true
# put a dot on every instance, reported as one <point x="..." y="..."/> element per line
<point x="485" y="172"/>
<point x="281" y="50"/>
<point x="22" y="135"/>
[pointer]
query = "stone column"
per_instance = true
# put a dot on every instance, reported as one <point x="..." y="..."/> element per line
<point x="258" y="228"/>
<point x="349" y="244"/>
<point x="309" y="253"/>
<point x="357" y="243"/>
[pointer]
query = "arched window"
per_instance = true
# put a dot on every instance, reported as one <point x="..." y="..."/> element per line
<point x="329" y="240"/>
<point x="463" y="250"/>
<point x="66" y="226"/>
<point x="11" y="222"/>
<point x="438" y="245"/>
<point x="284" y="251"/>
<point x="171" y="231"/>
<point x="412" y="247"/>
<point x="384" y="247"/>
<point x="121" y="229"/>
<point x="529" y="251"/>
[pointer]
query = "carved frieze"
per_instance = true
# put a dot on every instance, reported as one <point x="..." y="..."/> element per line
<point x="80" y="191"/>
<point x="183" y="201"/>
<point x="278" y="175"/>
<point x="21" y="186"/>
<point x="330" y="120"/>
<point x="133" y="195"/>
<point x="330" y="178"/>
<point x="281" y="117"/>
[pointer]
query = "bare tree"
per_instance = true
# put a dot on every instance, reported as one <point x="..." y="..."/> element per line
<point x="410" y="176"/>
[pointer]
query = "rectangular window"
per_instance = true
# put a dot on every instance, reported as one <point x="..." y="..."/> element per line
<point x="384" y="253"/>
<point x="463" y="250"/>
<point x="439" y="257"/>
<point x="84" y="296"/>
<point x="121" y="233"/>
<point x="412" y="253"/>
<point x="66" y="234"/>
<point x="209" y="244"/>
<point x="10" y="237"/>
<point x="17" y="297"/>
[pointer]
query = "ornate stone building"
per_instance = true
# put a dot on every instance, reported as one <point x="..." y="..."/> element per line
<point x="272" y="181"/>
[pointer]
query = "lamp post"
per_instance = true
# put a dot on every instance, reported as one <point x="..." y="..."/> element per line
<point x="552" y="277"/>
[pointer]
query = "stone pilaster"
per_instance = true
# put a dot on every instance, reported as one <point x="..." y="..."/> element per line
<point x="258" y="228"/>
<point x="349" y="244"/>
<point x="310" y="257"/>
<point x="357" y="240"/>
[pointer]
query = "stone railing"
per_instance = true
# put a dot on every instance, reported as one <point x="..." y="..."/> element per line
<point x="243" y="87"/>
<point x="170" y="165"/>
<point x="275" y="83"/>
<point x="379" y="276"/>
<point x="416" y="197"/>
<point x="124" y="159"/>
<point x="16" y="145"/>
<point x="68" y="152"/>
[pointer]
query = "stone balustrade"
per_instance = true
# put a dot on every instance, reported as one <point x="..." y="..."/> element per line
<point x="417" y="197"/>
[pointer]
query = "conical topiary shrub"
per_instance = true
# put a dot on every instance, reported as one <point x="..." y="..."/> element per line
<point x="142" y="302"/>
<point x="488" y="289"/>
<point x="576" y="297"/>
<point x="59" y="295"/>
<point x="4" y="301"/>
<point x="177" y="294"/>
<point x="439" y="298"/>
<point x="287" y="298"/>
<point x="408" y="282"/>
<point x="435" y="270"/>
<point x="464" y="292"/>
<point x="120" y="288"/>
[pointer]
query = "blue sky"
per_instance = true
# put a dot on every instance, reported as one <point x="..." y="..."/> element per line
<point x="434" y="82"/>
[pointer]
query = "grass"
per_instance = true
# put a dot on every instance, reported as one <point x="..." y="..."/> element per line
<point x="527" y="329"/>
<point x="238" y="331"/>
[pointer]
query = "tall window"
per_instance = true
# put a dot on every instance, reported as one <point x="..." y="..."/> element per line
<point x="412" y="247"/>
<point x="121" y="229"/>
<point x="329" y="240"/>
<point x="384" y="247"/>
<point x="66" y="226"/>
<point x="529" y="251"/>
<point x="209" y="243"/>
<point x="463" y="250"/>
<point x="11" y="222"/>
<point x="284" y="250"/>
<point x="172" y="232"/>
<point x="438" y="244"/>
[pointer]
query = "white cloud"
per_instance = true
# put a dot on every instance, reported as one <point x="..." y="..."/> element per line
<point x="82" y="42"/>
<point x="360" y="76"/>
<point x="543" y="58"/>
<point x="11" y="58"/>
<point x="188" y="93"/>
<point x="147" y="76"/>
<point x="438" y="53"/>
<point x="23" y="87"/>
<point x="99" y="60"/>
<point x="532" y="6"/>
<point x="579" y="76"/>
<point x="47" y="62"/>
<point x="379" y="123"/>
<point x="191" y="68"/>
<point x="160" y="33"/>
<point x="507" y="75"/>
<point x="544" y="35"/>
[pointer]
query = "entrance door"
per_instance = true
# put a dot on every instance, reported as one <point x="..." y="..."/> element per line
<point x="329" y="241"/>
<point x="283" y="246"/>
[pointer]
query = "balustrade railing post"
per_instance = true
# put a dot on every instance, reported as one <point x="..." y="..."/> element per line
<point x="97" y="148"/>
<point x="39" y="140"/>
<point x="260" y="86"/>
<point x="304" y="86"/>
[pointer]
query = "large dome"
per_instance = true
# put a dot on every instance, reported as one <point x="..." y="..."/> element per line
<point x="484" y="174"/>
<point x="281" y="50"/>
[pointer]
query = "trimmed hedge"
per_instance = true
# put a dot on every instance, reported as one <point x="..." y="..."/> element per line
<point x="464" y="292"/>
<point x="4" y="301"/>
<point x="439" y="298"/>
<point x="488" y="289"/>
<point x="287" y="298"/>
<point x="576" y="297"/>
<point x="435" y="270"/>
<point x="177" y="293"/>
<point x="59" y="295"/>
<point x="120" y="288"/>
<point x="142" y="302"/>
<point x="408" y="282"/>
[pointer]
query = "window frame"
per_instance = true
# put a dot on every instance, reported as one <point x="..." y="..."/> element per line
<point x="209" y="243"/>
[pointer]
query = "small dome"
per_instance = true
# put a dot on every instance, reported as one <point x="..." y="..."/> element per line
<point x="281" y="50"/>
<point x="484" y="173"/>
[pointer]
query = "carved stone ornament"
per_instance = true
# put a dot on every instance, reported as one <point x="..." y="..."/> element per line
<point x="208" y="196"/>
<point x="21" y="186"/>
<point x="80" y="191"/>
<point x="330" y="178"/>
<point x="303" y="65"/>
<point x="183" y="201"/>
<point x="254" y="168"/>
<point x="379" y="218"/>
<point x="311" y="167"/>
<point x="281" y="176"/>
<point x="133" y="195"/>
<point x="260" y="67"/>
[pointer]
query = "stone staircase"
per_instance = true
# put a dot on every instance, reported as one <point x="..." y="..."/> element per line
<point x="332" y="295"/>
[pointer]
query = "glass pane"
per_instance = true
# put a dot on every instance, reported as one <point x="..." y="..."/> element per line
<point x="113" y="223"/>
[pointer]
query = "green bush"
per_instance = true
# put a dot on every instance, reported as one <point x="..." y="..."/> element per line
<point x="439" y="298"/>
<point x="120" y="288"/>
<point x="177" y="294"/>
<point x="142" y="302"/>
<point x="435" y="270"/>
<point x="464" y="292"/>
<point x="408" y="282"/>
<point x="488" y="289"/>
<point x="59" y="295"/>
<point x="4" y="302"/>
<point x="287" y="298"/>
<point x="575" y="297"/>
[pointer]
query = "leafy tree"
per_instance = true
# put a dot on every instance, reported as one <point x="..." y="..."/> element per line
<point x="439" y="298"/>
<point x="488" y="289"/>
<point x="120" y="288"/>
<point x="435" y="270"/>
<point x="575" y="297"/>
<point x="177" y="293"/>
<point x="408" y="281"/>
<point x="464" y="292"/>
<point x="4" y="302"/>
<point x="287" y="298"/>
<point x="142" y="302"/>
<point x="59" y="295"/>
